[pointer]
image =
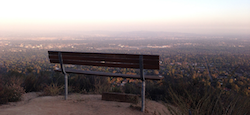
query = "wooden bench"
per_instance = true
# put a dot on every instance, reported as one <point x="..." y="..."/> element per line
<point x="106" y="60"/>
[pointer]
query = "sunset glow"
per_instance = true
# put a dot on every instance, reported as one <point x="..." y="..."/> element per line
<point x="210" y="16"/>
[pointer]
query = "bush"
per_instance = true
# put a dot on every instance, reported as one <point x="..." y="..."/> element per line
<point x="132" y="88"/>
<point x="3" y="95"/>
<point x="155" y="91"/>
<point x="52" y="90"/>
<point x="101" y="84"/>
<point x="35" y="83"/>
<point x="30" y="83"/>
<point x="116" y="89"/>
<point x="11" y="91"/>
<point x="14" y="92"/>
<point x="213" y="101"/>
<point x="93" y="84"/>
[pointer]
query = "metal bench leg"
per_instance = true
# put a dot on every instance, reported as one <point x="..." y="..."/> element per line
<point x="65" y="75"/>
<point x="66" y="86"/>
<point x="143" y="85"/>
<point x="143" y="96"/>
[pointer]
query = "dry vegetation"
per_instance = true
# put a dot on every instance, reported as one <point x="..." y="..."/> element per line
<point x="193" y="97"/>
<point x="213" y="102"/>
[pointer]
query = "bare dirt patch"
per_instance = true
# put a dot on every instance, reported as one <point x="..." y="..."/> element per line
<point x="77" y="104"/>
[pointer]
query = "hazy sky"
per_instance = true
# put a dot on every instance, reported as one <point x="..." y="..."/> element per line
<point x="191" y="16"/>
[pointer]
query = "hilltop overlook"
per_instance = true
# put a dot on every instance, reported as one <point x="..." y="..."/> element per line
<point x="77" y="104"/>
<point x="195" y="66"/>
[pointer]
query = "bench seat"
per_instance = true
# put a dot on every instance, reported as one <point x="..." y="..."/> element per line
<point x="105" y="74"/>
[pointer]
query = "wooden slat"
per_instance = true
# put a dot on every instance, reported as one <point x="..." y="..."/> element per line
<point x="105" y="59"/>
<point x="147" y="77"/>
<point x="121" y="65"/>
<point x="107" y="55"/>
<point x="135" y="61"/>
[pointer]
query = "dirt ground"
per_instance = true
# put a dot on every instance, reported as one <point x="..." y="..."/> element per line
<point x="77" y="104"/>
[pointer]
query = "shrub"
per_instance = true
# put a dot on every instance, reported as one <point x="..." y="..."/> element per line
<point x="116" y="89"/>
<point x="52" y="90"/>
<point x="3" y="98"/>
<point x="132" y="88"/>
<point x="93" y="84"/>
<point x="213" y="102"/>
<point x="11" y="91"/>
<point x="14" y="92"/>
<point x="3" y="95"/>
<point x="30" y="83"/>
<point x="35" y="83"/>
<point x="101" y="84"/>
<point x="155" y="91"/>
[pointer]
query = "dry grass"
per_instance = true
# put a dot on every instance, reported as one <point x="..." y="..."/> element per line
<point x="11" y="91"/>
<point x="213" y="102"/>
<point x="52" y="90"/>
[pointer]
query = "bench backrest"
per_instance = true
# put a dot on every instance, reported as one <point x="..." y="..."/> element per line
<point x="105" y="59"/>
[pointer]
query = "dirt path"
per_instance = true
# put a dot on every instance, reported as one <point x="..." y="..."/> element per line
<point x="77" y="104"/>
